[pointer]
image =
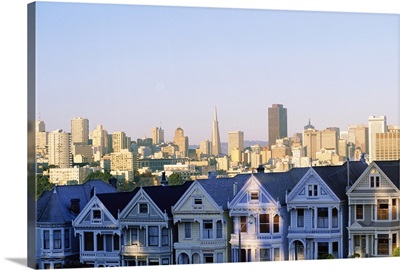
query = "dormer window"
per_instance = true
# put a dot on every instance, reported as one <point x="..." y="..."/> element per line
<point x="254" y="196"/>
<point x="96" y="215"/>
<point x="374" y="181"/>
<point x="198" y="201"/>
<point x="143" y="208"/>
<point x="312" y="190"/>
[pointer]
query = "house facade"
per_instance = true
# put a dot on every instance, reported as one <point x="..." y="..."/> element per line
<point x="57" y="245"/>
<point x="317" y="207"/>
<point x="374" y="222"/>
<point x="260" y="218"/>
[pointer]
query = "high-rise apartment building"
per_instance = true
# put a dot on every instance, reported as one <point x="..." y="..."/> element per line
<point x="40" y="126"/>
<point x="100" y="140"/>
<point x="375" y="125"/>
<point x="181" y="141"/>
<point x="79" y="130"/>
<point x="41" y="139"/>
<point x="119" y="141"/>
<point x="235" y="141"/>
<point x="122" y="160"/>
<point x="60" y="149"/>
<point x="157" y="134"/>
<point x="330" y="139"/>
<point x="277" y="123"/>
<point x="215" y="140"/>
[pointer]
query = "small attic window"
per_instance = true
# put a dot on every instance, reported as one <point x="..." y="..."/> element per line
<point x="96" y="215"/>
<point x="143" y="208"/>
<point x="198" y="201"/>
<point x="254" y="196"/>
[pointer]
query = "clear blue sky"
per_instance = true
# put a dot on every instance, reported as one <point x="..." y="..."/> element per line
<point x="132" y="68"/>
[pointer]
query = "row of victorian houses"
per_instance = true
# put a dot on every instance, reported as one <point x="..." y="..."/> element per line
<point x="305" y="213"/>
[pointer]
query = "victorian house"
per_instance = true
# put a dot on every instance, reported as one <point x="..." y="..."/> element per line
<point x="202" y="218"/>
<point x="57" y="245"/>
<point x="374" y="222"/>
<point x="260" y="218"/>
<point x="318" y="210"/>
<point x="146" y="224"/>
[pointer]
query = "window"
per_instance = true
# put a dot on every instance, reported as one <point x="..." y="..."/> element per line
<point x="100" y="242"/>
<point x="219" y="229"/>
<point x="394" y="241"/>
<point x="265" y="254"/>
<point x="323" y="249"/>
<point x="46" y="239"/>
<point x="164" y="237"/>
<point x="109" y="242"/>
<point x="313" y="190"/>
<point x="359" y="211"/>
<point x="198" y="201"/>
<point x="89" y="241"/>
<point x="188" y="230"/>
<point x="383" y="244"/>
<point x="57" y="239"/>
<point x="67" y="238"/>
<point x="208" y="258"/>
<point x="276" y="224"/>
<point x="153" y="236"/>
<point x="96" y="216"/>
<point x="335" y="218"/>
<point x="143" y="208"/>
<point x="116" y="242"/>
<point x="277" y="254"/>
<point x="243" y="224"/>
<point x="374" y="181"/>
<point x="300" y="218"/>
<point x="264" y="223"/>
<point x="335" y="249"/>
<point x="208" y="229"/>
<point x="254" y="196"/>
<point x="383" y="209"/>
<point x="394" y="209"/>
<point x="134" y="237"/>
<point x="322" y="218"/>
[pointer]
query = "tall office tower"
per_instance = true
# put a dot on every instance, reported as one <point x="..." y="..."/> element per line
<point x="79" y="130"/>
<point x="358" y="135"/>
<point x="330" y="139"/>
<point x="277" y="123"/>
<point x="119" y="141"/>
<point x="215" y="139"/>
<point x="388" y="145"/>
<point x="60" y="149"/>
<point x="311" y="142"/>
<point x="40" y="126"/>
<point x="235" y="141"/>
<point x="181" y="141"/>
<point x="157" y="134"/>
<point x="100" y="140"/>
<point x="375" y="125"/>
<point x="205" y="147"/>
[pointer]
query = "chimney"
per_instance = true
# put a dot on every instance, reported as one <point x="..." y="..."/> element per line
<point x="235" y="184"/>
<point x="75" y="206"/>
<point x="260" y="168"/>
<point x="164" y="181"/>
<point x="113" y="182"/>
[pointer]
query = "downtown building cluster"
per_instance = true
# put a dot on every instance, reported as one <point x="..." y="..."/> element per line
<point x="345" y="211"/>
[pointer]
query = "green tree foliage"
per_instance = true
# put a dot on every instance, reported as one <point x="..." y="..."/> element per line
<point x="42" y="184"/>
<point x="396" y="252"/>
<point x="175" y="179"/>
<point x="105" y="176"/>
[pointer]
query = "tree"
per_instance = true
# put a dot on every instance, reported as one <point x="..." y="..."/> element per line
<point x="42" y="184"/>
<point x="175" y="179"/>
<point x="105" y="176"/>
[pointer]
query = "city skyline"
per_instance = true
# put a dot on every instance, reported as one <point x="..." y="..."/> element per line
<point x="132" y="74"/>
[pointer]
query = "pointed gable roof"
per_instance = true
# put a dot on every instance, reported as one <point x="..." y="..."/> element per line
<point x="54" y="206"/>
<point x="391" y="168"/>
<point x="336" y="177"/>
<point x="116" y="202"/>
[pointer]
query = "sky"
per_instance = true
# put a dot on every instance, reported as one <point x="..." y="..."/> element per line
<point x="132" y="68"/>
<point x="13" y="82"/>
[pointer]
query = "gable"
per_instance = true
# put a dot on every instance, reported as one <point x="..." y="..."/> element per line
<point x="142" y="207"/>
<point x="252" y="194"/>
<point x="371" y="181"/>
<point x="311" y="188"/>
<point x="95" y="214"/>
<point x="196" y="200"/>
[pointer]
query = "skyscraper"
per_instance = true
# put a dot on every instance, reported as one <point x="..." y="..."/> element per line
<point x="119" y="141"/>
<point x="60" y="149"/>
<point x="215" y="140"/>
<point x="157" y="134"/>
<point x="80" y="130"/>
<point x="277" y="123"/>
<point x="375" y="125"/>
<point x="235" y="141"/>
<point x="100" y="140"/>
<point x="181" y="141"/>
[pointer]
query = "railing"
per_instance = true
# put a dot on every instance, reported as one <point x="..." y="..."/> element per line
<point x="255" y="237"/>
<point x="314" y="231"/>
<point x="213" y="242"/>
<point x="100" y="254"/>
<point x="142" y="249"/>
